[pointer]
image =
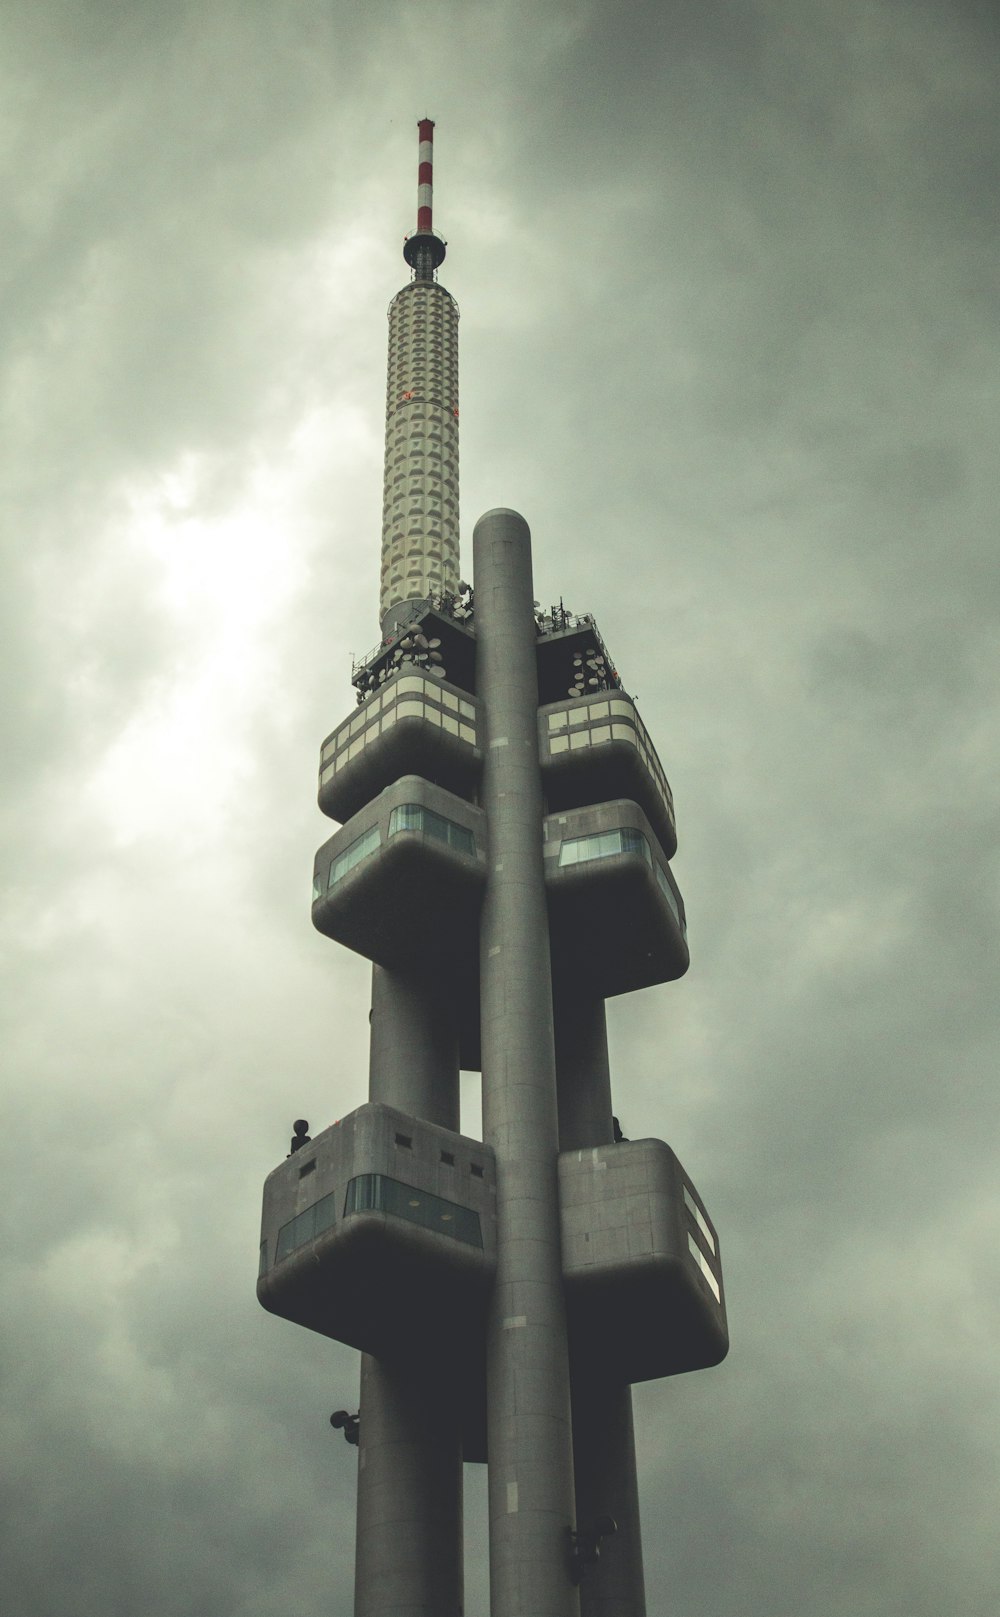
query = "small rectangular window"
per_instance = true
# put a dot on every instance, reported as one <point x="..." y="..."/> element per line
<point x="476" y="1170"/>
<point x="405" y="1141"/>
<point x="448" y="1157"/>
<point x="307" y="1167"/>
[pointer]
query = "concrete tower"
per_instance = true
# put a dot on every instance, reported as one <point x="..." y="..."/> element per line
<point x="503" y="861"/>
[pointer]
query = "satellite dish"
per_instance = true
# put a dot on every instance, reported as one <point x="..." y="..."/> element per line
<point x="436" y="671"/>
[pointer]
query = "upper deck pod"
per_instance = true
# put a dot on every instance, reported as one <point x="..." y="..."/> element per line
<point x="381" y="1233"/>
<point x="414" y="725"/>
<point x="641" y="1261"/>
<point x="402" y="882"/>
<point x="596" y="747"/>
<point x="616" y="917"/>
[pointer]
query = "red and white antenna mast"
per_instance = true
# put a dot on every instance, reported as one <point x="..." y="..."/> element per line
<point x="424" y="250"/>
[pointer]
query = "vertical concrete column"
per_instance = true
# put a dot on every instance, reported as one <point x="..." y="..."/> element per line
<point x="413" y="1060"/>
<point x="604" y="1444"/>
<point x="583" y="1073"/>
<point x="409" y="1535"/>
<point x="603" y="1437"/>
<point x="409" y="1560"/>
<point x="531" y="1498"/>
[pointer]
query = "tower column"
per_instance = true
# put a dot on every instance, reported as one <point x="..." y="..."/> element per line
<point x="603" y="1436"/>
<point x="604" y="1446"/>
<point x="531" y="1496"/>
<point x="409" y="1552"/>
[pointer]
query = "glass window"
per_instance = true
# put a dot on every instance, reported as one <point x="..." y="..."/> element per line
<point x="352" y="855"/>
<point x="598" y="710"/>
<point x="558" y="721"/>
<point x="580" y="738"/>
<point x="322" y="1215"/>
<point x="580" y="850"/>
<point x="600" y="732"/>
<point x="414" y="817"/>
<point x="559" y="744"/>
<point x="467" y="733"/>
<point x="376" y="1192"/>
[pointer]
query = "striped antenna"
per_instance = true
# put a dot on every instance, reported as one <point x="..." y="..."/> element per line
<point x="424" y="250"/>
<point x="425" y="174"/>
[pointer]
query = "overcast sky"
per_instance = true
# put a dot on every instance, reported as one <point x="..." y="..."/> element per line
<point x="729" y="341"/>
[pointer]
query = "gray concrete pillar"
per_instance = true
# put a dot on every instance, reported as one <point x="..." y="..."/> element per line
<point x="409" y="1532"/>
<point x="409" y="1552"/>
<point x="531" y="1498"/>
<point x="583" y="1073"/>
<point x="413" y="1061"/>
<point x="604" y="1445"/>
<point x="603" y="1439"/>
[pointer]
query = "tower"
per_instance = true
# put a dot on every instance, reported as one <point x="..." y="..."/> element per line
<point x="503" y="861"/>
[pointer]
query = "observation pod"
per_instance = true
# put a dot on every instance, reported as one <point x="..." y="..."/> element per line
<point x="401" y="883"/>
<point x="414" y="725"/>
<point x="381" y="1234"/>
<point x="616" y="917"/>
<point x="641" y="1262"/>
<point x="597" y="748"/>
